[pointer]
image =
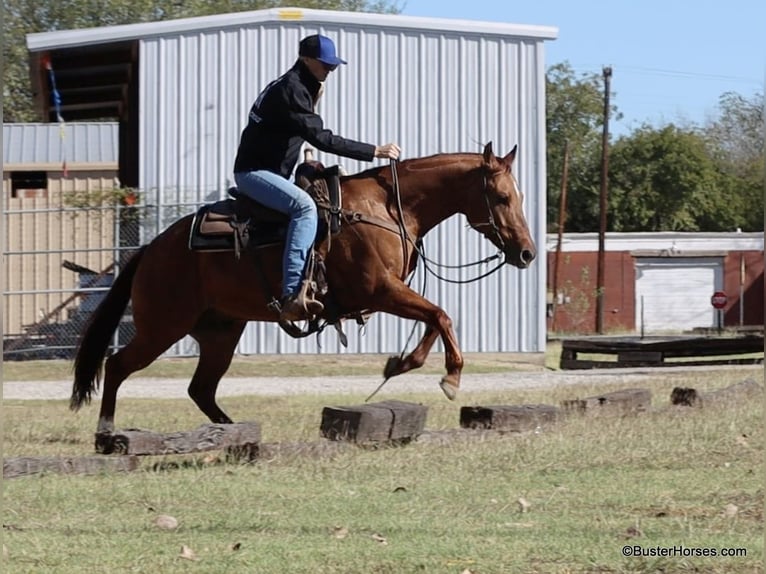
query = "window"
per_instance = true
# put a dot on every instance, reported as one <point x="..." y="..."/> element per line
<point x="29" y="184"/>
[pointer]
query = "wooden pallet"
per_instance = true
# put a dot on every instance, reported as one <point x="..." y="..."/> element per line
<point x="655" y="352"/>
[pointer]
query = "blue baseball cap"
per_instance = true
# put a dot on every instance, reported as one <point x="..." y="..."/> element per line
<point x="320" y="48"/>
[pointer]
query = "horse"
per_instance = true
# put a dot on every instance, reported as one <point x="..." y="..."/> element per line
<point x="211" y="296"/>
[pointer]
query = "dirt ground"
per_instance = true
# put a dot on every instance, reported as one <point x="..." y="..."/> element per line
<point x="271" y="386"/>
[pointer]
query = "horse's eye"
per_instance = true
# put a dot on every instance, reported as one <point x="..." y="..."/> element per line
<point x="503" y="199"/>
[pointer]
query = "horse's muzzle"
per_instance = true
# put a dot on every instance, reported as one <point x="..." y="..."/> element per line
<point x="521" y="258"/>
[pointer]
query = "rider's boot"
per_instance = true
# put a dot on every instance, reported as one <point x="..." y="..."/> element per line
<point x="301" y="306"/>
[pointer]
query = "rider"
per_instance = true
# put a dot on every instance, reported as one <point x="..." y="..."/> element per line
<point x="280" y="120"/>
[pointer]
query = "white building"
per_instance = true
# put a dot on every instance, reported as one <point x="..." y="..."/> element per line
<point x="182" y="89"/>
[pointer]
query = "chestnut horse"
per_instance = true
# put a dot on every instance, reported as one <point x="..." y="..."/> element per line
<point x="211" y="296"/>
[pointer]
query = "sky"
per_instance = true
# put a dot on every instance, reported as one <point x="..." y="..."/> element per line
<point x="671" y="59"/>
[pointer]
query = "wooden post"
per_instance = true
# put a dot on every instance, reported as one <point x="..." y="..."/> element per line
<point x="385" y="421"/>
<point x="691" y="397"/>
<point x="622" y="402"/>
<point x="562" y="222"/>
<point x="28" y="465"/>
<point x="603" y="206"/>
<point x="514" y="418"/>
<point x="239" y="438"/>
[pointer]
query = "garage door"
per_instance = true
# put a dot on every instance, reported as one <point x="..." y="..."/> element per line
<point x="674" y="293"/>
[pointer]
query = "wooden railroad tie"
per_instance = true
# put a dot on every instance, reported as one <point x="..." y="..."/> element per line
<point x="383" y="422"/>
<point x="29" y="465"/>
<point x="617" y="402"/>
<point x="691" y="397"/>
<point x="514" y="418"/>
<point x="240" y="440"/>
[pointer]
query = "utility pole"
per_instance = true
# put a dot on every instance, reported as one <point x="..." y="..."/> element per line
<point x="602" y="206"/>
<point x="562" y="221"/>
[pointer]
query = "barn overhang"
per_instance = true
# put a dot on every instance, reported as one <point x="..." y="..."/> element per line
<point x="93" y="81"/>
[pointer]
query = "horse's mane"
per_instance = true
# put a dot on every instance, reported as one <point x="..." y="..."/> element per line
<point x="417" y="164"/>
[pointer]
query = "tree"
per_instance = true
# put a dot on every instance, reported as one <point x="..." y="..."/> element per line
<point x="24" y="17"/>
<point x="666" y="179"/>
<point x="736" y="138"/>
<point x="574" y="113"/>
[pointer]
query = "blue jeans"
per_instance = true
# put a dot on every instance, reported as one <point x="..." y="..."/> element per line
<point x="276" y="192"/>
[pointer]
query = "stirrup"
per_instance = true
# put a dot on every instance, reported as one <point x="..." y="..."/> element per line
<point x="306" y="298"/>
<point x="301" y="305"/>
<point x="295" y="309"/>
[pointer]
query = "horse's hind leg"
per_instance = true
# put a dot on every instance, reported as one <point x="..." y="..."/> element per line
<point x="217" y="338"/>
<point x="142" y="350"/>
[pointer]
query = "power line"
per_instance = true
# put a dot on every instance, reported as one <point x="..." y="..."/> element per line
<point x="679" y="73"/>
<point x="672" y="73"/>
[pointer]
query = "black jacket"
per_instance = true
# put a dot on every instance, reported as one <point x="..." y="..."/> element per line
<point x="281" y="119"/>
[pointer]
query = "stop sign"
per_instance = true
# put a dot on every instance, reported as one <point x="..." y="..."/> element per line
<point x="719" y="300"/>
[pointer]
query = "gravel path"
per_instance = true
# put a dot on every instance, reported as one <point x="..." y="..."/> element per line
<point x="271" y="386"/>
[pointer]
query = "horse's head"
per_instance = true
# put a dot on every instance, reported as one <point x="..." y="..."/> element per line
<point x="498" y="215"/>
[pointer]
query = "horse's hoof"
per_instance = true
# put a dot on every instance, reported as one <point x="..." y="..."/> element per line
<point x="104" y="443"/>
<point x="105" y="427"/>
<point x="449" y="387"/>
<point x="393" y="366"/>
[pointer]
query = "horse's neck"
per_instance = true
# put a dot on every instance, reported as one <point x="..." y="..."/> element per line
<point x="432" y="194"/>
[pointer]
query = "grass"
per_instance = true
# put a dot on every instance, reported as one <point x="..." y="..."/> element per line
<point x="594" y="485"/>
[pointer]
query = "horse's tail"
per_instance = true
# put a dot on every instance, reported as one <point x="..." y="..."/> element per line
<point x="95" y="341"/>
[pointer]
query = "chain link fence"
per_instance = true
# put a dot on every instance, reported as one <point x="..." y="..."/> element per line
<point x="61" y="260"/>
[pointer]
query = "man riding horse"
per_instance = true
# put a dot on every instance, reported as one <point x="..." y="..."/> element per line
<point x="281" y="119"/>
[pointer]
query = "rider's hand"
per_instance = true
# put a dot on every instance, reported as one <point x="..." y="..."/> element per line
<point x="390" y="151"/>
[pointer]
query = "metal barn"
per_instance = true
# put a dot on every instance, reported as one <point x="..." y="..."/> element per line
<point x="181" y="91"/>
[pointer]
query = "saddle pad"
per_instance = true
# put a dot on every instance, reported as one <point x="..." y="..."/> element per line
<point x="212" y="228"/>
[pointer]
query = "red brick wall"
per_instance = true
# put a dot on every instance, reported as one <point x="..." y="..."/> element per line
<point x="753" y="288"/>
<point x="577" y="283"/>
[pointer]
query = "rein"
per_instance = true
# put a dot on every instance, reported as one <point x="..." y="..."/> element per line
<point x="420" y="250"/>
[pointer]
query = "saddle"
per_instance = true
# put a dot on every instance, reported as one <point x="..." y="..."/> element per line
<point x="241" y="224"/>
<point x="235" y="224"/>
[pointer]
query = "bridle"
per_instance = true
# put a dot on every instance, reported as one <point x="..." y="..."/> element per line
<point x="420" y="247"/>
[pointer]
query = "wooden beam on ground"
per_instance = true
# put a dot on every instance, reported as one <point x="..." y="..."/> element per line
<point x="240" y="440"/>
<point x="655" y="351"/>
<point x="29" y="465"/>
<point x="620" y="402"/>
<point x="515" y="418"/>
<point x="386" y="421"/>
<point x="447" y="437"/>
<point x="314" y="449"/>
<point x="691" y="397"/>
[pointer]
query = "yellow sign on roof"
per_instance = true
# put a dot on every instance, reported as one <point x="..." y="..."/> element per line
<point x="290" y="14"/>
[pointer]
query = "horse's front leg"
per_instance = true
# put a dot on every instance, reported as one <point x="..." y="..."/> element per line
<point x="398" y="299"/>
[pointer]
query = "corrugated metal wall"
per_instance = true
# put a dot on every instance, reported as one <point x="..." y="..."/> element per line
<point x="431" y="91"/>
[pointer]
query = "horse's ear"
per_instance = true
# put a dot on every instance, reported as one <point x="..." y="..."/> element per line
<point x="488" y="154"/>
<point x="508" y="160"/>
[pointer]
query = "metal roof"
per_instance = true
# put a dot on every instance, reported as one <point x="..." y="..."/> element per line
<point x="674" y="242"/>
<point x="96" y="68"/>
<point x="113" y="34"/>
<point x="42" y="147"/>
